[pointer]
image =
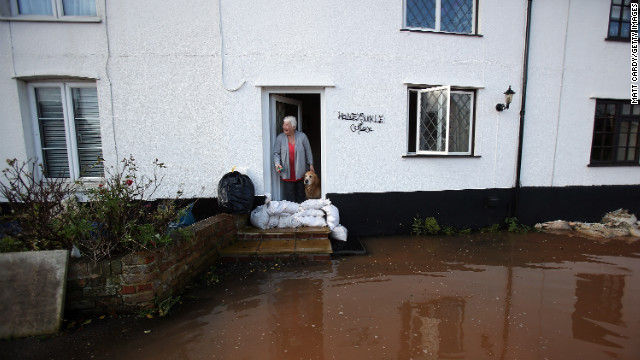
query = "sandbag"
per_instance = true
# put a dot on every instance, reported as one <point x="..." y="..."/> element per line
<point x="333" y="216"/>
<point x="339" y="233"/>
<point x="259" y="217"/>
<point x="235" y="193"/>
<point x="287" y="221"/>
<point x="312" y="221"/>
<point x="282" y="207"/>
<point x="315" y="204"/>
<point x="311" y="212"/>
<point x="273" y="221"/>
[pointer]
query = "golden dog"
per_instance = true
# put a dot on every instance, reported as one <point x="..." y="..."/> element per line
<point x="312" y="185"/>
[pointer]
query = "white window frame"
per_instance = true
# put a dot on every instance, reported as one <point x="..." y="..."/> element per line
<point x="446" y="116"/>
<point x="438" y="19"/>
<point x="57" y="14"/>
<point x="69" y="124"/>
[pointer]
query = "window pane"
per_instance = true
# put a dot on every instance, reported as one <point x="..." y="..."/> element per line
<point x="56" y="163"/>
<point x="626" y="14"/>
<point x="35" y="7"/>
<point x="613" y="28"/>
<point x="87" y="124"/>
<point x="626" y="109"/>
<point x="52" y="132"/>
<point x="615" y="13"/>
<point x="457" y="16"/>
<point x="433" y="120"/>
<point x="625" y="30"/>
<point x="460" y="122"/>
<point x="421" y="14"/>
<point x="79" y="7"/>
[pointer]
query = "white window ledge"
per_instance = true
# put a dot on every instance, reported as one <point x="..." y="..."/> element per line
<point x="67" y="19"/>
<point x="414" y="155"/>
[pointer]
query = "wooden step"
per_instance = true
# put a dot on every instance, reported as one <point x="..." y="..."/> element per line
<point x="306" y="243"/>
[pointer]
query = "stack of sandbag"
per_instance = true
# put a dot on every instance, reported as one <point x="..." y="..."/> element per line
<point x="287" y="214"/>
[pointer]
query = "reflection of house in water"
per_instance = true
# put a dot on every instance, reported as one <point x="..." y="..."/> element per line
<point x="432" y="328"/>
<point x="598" y="305"/>
<point x="298" y="321"/>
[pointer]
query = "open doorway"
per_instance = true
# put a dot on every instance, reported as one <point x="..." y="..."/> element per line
<point x="306" y="107"/>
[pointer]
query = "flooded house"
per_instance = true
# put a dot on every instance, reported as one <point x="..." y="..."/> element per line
<point x="470" y="111"/>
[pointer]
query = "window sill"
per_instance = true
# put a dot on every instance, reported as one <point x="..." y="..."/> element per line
<point x="412" y="155"/>
<point x="66" y="19"/>
<point x="439" y="32"/>
<point x="614" y="165"/>
<point x="617" y="39"/>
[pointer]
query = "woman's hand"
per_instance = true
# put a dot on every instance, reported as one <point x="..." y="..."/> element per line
<point x="311" y="168"/>
<point x="278" y="168"/>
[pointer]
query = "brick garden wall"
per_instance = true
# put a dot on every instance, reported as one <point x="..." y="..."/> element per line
<point x="140" y="280"/>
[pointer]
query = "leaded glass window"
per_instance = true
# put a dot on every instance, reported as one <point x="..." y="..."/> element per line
<point x="455" y="16"/>
<point x="441" y="121"/>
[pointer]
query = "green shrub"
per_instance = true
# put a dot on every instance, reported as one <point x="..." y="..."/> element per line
<point x="431" y="225"/>
<point x="118" y="217"/>
<point x="37" y="206"/>
<point x="514" y="226"/>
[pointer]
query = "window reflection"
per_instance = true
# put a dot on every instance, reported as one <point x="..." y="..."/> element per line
<point x="599" y="302"/>
<point x="432" y="329"/>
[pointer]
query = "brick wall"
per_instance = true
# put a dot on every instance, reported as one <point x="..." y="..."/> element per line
<point x="135" y="281"/>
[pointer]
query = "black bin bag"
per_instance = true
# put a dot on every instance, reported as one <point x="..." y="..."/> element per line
<point x="235" y="193"/>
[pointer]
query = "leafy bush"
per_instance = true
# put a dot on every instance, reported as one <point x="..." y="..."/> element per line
<point x="37" y="206"/>
<point x="513" y="225"/>
<point x="423" y="227"/>
<point x="117" y="217"/>
<point x="431" y="226"/>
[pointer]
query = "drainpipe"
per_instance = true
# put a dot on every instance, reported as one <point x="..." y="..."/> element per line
<point x="525" y="74"/>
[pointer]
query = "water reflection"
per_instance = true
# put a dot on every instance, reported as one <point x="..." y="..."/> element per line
<point x="599" y="302"/>
<point x="296" y="317"/>
<point x="432" y="329"/>
<point x="486" y="296"/>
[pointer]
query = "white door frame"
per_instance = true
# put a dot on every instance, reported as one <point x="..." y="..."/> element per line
<point x="276" y="191"/>
<point x="267" y="133"/>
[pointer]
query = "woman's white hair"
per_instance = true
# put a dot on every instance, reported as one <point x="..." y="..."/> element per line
<point x="292" y="120"/>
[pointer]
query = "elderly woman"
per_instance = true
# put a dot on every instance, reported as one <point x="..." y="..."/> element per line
<point x="292" y="154"/>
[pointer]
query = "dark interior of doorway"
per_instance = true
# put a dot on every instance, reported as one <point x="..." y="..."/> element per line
<point x="311" y="124"/>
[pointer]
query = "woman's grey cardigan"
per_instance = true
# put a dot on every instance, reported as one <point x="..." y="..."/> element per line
<point x="302" y="152"/>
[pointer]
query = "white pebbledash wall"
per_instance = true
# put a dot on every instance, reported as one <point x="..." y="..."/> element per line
<point x="571" y="65"/>
<point x="163" y="93"/>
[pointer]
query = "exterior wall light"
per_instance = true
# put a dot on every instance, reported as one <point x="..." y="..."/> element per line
<point x="508" y="96"/>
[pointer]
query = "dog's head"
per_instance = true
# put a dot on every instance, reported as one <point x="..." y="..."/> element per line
<point x="310" y="178"/>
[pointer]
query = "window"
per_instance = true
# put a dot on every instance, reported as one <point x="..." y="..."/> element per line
<point x="454" y="16"/>
<point x="620" y="20"/>
<point x="67" y="129"/>
<point x="54" y="8"/>
<point x="441" y="121"/>
<point x="615" y="133"/>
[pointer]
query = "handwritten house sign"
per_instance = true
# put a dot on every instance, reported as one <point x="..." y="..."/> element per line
<point x="361" y="122"/>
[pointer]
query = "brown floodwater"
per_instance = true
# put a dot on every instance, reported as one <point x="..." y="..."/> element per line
<point x="479" y="296"/>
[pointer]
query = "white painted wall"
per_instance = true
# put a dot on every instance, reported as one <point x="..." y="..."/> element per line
<point x="162" y="91"/>
<point x="571" y="64"/>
